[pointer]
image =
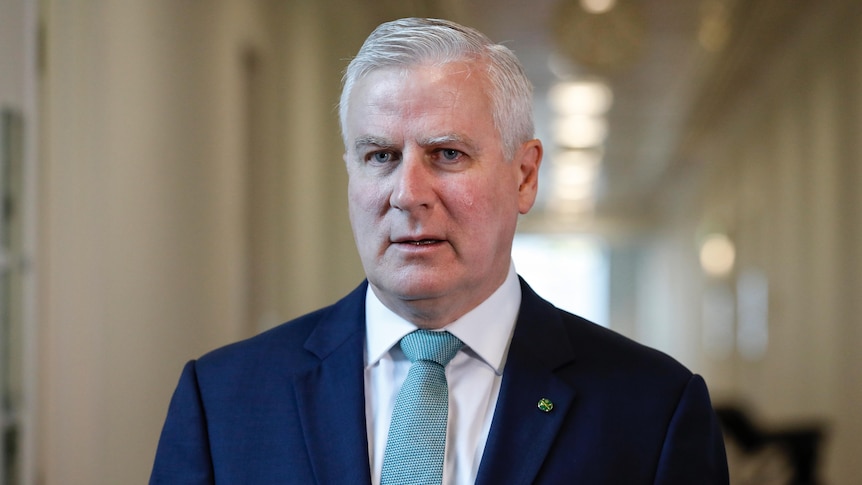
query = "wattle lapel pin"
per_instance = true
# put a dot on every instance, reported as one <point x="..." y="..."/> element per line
<point x="545" y="405"/>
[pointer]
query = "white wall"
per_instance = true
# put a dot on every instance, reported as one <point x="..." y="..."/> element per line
<point x="142" y="230"/>
<point x="780" y="170"/>
<point x="192" y="194"/>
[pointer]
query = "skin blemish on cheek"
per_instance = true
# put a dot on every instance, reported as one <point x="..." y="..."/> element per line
<point x="466" y="199"/>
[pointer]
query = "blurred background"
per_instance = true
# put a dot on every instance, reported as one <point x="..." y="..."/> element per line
<point x="172" y="181"/>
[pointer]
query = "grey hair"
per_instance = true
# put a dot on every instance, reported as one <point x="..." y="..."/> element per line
<point x="413" y="41"/>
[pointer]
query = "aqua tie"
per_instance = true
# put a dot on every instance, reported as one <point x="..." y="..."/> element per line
<point x="417" y="433"/>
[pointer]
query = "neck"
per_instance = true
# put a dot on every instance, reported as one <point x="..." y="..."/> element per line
<point x="434" y="313"/>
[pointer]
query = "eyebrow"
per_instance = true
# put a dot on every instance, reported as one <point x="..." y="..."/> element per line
<point x="371" y="140"/>
<point x="381" y="142"/>
<point x="444" y="139"/>
<point x="451" y="139"/>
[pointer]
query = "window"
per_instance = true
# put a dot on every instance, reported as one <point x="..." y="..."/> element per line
<point x="569" y="270"/>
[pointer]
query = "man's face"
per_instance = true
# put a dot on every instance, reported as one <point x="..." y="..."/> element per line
<point x="433" y="202"/>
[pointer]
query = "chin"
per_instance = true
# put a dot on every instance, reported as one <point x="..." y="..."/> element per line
<point x="413" y="287"/>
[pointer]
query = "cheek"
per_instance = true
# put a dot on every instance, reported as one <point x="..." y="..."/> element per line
<point x="478" y="211"/>
<point x="490" y="210"/>
<point x="467" y="201"/>
<point x="362" y="221"/>
<point x="491" y="197"/>
<point x="364" y="198"/>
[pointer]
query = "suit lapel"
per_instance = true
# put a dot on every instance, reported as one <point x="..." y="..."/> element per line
<point x="331" y="397"/>
<point x="521" y="434"/>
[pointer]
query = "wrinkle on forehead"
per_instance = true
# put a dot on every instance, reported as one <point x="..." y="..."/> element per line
<point x="389" y="97"/>
<point x="439" y="66"/>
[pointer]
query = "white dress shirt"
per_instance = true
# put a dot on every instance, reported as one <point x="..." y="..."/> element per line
<point x="474" y="376"/>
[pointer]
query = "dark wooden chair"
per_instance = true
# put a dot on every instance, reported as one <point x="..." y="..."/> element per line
<point x="799" y="444"/>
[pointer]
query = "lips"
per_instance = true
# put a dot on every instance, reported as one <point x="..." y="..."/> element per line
<point x="420" y="241"/>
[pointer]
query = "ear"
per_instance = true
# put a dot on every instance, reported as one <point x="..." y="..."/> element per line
<point x="528" y="159"/>
<point x="350" y="167"/>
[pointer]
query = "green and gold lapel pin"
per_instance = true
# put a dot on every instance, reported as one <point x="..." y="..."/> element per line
<point x="545" y="405"/>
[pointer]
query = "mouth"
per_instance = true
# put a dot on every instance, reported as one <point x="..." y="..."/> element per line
<point x="423" y="242"/>
<point x="417" y="242"/>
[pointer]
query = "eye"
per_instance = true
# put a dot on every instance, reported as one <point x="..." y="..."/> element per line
<point x="382" y="157"/>
<point x="450" y="153"/>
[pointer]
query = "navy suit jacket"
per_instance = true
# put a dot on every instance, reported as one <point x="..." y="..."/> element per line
<point x="288" y="407"/>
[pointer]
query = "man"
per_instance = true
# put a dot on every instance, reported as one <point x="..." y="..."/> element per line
<point x="441" y="159"/>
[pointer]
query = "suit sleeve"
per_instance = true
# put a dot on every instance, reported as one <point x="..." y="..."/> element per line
<point x="183" y="455"/>
<point x="693" y="450"/>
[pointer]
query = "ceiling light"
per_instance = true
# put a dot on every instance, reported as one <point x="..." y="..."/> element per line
<point x="581" y="97"/>
<point x="717" y="255"/>
<point x="580" y="131"/>
<point x="597" y="6"/>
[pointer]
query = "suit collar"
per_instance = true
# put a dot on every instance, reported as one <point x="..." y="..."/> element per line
<point x="486" y="329"/>
<point x="331" y="397"/>
<point x="521" y="434"/>
<point x="339" y="325"/>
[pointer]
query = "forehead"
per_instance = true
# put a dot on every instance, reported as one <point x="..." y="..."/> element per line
<point x="454" y="94"/>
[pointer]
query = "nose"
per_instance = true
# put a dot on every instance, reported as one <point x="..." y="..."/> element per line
<point x="412" y="184"/>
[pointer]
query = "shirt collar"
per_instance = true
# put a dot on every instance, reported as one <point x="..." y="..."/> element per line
<point x="485" y="330"/>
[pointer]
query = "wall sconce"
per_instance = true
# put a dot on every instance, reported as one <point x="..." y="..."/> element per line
<point x="717" y="255"/>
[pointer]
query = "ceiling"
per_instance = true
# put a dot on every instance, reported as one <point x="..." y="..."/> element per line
<point x="662" y="93"/>
<point x="653" y="87"/>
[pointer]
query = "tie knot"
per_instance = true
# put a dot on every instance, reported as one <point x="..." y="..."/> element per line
<point x="438" y="347"/>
